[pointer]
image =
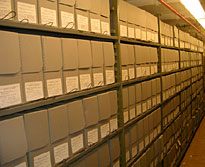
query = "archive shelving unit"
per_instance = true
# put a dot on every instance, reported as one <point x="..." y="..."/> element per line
<point x="118" y="85"/>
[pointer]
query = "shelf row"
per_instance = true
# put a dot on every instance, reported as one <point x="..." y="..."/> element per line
<point x="61" y="32"/>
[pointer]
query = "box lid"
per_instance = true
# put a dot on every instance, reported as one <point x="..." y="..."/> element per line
<point x="105" y="8"/>
<point x="104" y="106"/>
<point x="133" y="133"/>
<point x="138" y="90"/>
<point x="70" y="53"/>
<point x="52" y="53"/>
<point x="124" y="54"/>
<point x="92" y="159"/>
<point x="13" y="143"/>
<point x="31" y="53"/>
<point x="108" y="53"/>
<point x="82" y="4"/>
<point x="123" y="10"/>
<point x="10" y="59"/>
<point x="36" y="124"/>
<point x="97" y="53"/>
<point x="91" y="110"/>
<point x="132" y="91"/>
<point x="58" y="122"/>
<point x="76" y="120"/>
<point x="131" y="54"/>
<point x="84" y="54"/>
<point x="104" y="155"/>
<point x="113" y="102"/>
<point x="115" y="146"/>
<point x="125" y="97"/>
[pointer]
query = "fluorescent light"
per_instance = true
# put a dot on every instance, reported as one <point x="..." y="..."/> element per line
<point x="194" y="7"/>
<point x="202" y="22"/>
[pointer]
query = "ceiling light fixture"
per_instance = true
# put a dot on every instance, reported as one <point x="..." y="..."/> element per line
<point x="195" y="8"/>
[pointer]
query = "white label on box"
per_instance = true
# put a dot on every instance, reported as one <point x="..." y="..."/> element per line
<point x="95" y="25"/>
<point x="92" y="136"/>
<point x="139" y="109"/>
<point x="116" y="164"/>
<point x="149" y="37"/>
<point x="105" y="28"/>
<point x="158" y="99"/>
<point x="132" y="113"/>
<point x="162" y="39"/>
<point x="82" y="22"/>
<point x="105" y="130"/>
<point x="26" y="11"/>
<point x="61" y="152"/>
<point x="67" y="20"/>
<point x="131" y="32"/>
<point x="98" y="79"/>
<point x="155" y="69"/>
<point x="5" y="7"/>
<point x="139" y="71"/>
<point x="147" y="70"/>
<point x="137" y="33"/>
<point x="110" y="78"/>
<point x="141" y="145"/>
<point x="85" y="81"/>
<point x="131" y="73"/>
<point x="126" y="118"/>
<point x="10" y="95"/>
<point x="134" y="151"/>
<point x="77" y="143"/>
<point x="42" y="160"/>
<point x="144" y="107"/>
<point x="123" y="31"/>
<point x="72" y="84"/>
<point x="113" y="124"/>
<point x="152" y="36"/>
<point x="149" y="103"/>
<point x="152" y="70"/>
<point x="48" y="17"/>
<point x="144" y="36"/>
<point x="54" y="87"/>
<point x="23" y="164"/>
<point x="34" y="90"/>
<point x="154" y="100"/>
<point x="127" y="156"/>
<point x="143" y="71"/>
<point x="124" y="75"/>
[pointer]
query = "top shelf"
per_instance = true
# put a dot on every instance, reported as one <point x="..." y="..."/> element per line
<point x="41" y="29"/>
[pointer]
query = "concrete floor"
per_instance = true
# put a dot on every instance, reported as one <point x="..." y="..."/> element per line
<point x="195" y="156"/>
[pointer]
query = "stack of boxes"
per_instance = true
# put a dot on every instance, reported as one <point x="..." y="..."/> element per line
<point x="43" y="66"/>
<point x="92" y="16"/>
<point x="140" y="98"/>
<point x="185" y="59"/>
<point x="139" y="135"/>
<point x="168" y="86"/>
<point x="65" y="130"/>
<point x="166" y="34"/>
<point x="170" y="60"/>
<point x="146" y="60"/>
<point x="170" y="110"/>
<point x="176" y="37"/>
<point x="136" y="23"/>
